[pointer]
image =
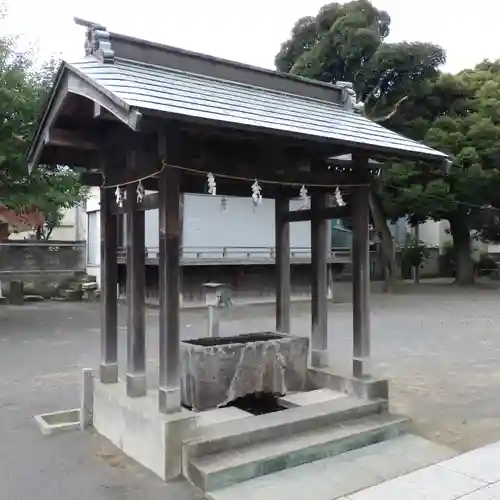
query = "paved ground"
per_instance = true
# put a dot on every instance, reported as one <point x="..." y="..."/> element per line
<point x="472" y="476"/>
<point x="440" y="347"/>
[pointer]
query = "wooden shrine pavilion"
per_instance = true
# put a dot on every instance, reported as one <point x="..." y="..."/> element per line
<point x="140" y="115"/>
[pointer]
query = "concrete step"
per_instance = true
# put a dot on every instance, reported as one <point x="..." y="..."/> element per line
<point x="310" y="397"/>
<point x="341" y="475"/>
<point x="220" y="470"/>
<point x="235" y="434"/>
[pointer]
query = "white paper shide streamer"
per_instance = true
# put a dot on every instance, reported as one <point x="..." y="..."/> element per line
<point x="119" y="196"/>
<point x="140" y="192"/>
<point x="212" y="186"/>
<point x="338" y="198"/>
<point x="256" y="193"/>
<point x="303" y="196"/>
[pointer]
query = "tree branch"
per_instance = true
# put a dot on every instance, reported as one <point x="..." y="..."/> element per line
<point x="382" y="119"/>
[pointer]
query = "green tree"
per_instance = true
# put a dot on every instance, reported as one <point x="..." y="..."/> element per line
<point x="346" y="42"/>
<point x="23" y="88"/>
<point x="461" y="116"/>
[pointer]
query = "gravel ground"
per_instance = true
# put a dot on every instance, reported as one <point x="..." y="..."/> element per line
<point x="439" y="346"/>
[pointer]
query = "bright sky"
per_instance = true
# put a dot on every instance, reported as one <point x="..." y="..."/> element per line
<point x="249" y="31"/>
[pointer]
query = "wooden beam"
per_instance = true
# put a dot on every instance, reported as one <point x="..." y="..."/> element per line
<point x="69" y="157"/>
<point x="74" y="139"/>
<point x="50" y="115"/>
<point x="169" y="396"/>
<point x="283" y="282"/>
<point x="328" y="213"/>
<point x="136" y="331"/>
<point x="319" y="281"/>
<point x="100" y="113"/>
<point x="130" y="117"/>
<point x="109" y="299"/>
<point x="361" y="274"/>
<point x="149" y="202"/>
<point x="94" y="179"/>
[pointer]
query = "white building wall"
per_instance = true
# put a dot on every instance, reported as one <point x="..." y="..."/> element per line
<point x="207" y="224"/>
<point x="93" y="234"/>
<point x="435" y="234"/>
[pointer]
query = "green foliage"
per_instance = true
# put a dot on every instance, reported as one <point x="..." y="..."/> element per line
<point x="457" y="114"/>
<point x="414" y="253"/>
<point x="461" y="116"/>
<point x="23" y="89"/>
<point x="346" y="43"/>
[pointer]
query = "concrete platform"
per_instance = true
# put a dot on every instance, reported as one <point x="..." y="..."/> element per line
<point x="162" y="443"/>
<point x="136" y="427"/>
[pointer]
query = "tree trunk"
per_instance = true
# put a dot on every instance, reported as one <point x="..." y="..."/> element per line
<point x="416" y="270"/>
<point x="462" y="248"/>
<point x="386" y="242"/>
<point x="4" y="231"/>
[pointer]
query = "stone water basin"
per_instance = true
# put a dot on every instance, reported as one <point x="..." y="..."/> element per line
<point x="216" y="371"/>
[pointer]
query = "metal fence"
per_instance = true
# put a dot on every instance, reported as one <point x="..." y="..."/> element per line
<point x="239" y="255"/>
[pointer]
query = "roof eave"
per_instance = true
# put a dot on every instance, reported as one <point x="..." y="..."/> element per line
<point x="69" y="80"/>
<point x="430" y="156"/>
<point x="36" y="144"/>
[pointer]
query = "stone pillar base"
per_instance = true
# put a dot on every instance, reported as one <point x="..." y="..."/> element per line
<point x="365" y="388"/>
<point x="169" y="400"/>
<point x="320" y="359"/>
<point x="108" y="373"/>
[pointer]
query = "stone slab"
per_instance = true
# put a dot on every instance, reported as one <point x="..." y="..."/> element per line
<point x="490" y="492"/>
<point x="220" y="415"/>
<point x="432" y="482"/>
<point x="335" y="477"/>
<point x="310" y="397"/>
<point x="482" y="464"/>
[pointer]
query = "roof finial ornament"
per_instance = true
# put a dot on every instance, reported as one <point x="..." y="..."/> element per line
<point x="349" y="97"/>
<point x="97" y="41"/>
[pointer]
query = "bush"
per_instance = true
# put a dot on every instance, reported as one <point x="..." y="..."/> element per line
<point x="414" y="253"/>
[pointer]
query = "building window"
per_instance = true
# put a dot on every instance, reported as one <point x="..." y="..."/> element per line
<point x="93" y="239"/>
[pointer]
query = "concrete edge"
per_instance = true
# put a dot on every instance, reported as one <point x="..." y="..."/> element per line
<point x="366" y="388"/>
<point x="56" y="428"/>
<point x="197" y="307"/>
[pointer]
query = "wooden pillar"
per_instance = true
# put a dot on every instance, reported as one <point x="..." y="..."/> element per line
<point x="361" y="277"/>
<point x="169" y="397"/>
<point x="109" y="278"/>
<point x="136" y="331"/>
<point x="319" y="282"/>
<point x="282" y="243"/>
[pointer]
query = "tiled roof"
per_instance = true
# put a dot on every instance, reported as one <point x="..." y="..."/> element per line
<point x="174" y="92"/>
